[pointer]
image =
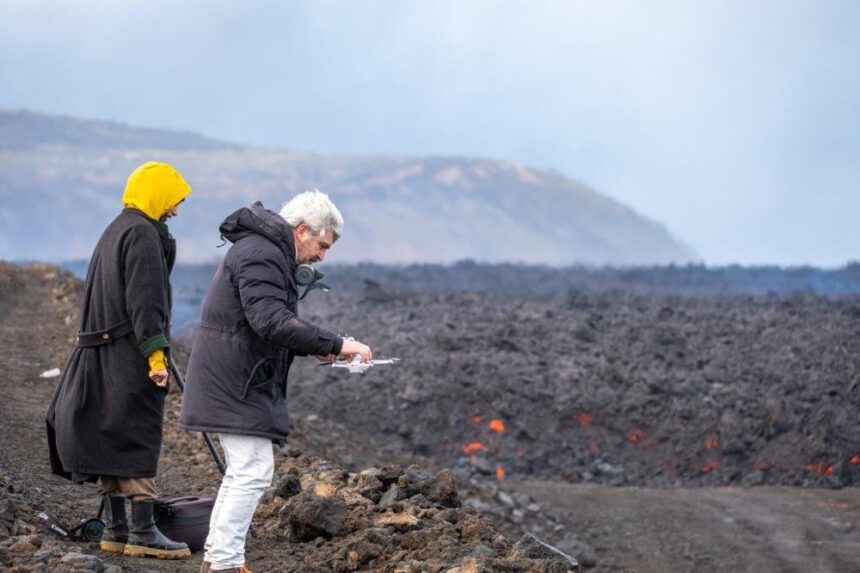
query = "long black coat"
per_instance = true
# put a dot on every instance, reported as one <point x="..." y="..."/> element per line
<point x="106" y="415"/>
<point x="249" y="333"/>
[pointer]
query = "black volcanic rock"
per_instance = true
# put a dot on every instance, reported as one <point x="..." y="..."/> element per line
<point x="288" y="486"/>
<point x="666" y="390"/>
<point x="308" y="516"/>
<point x="440" y="489"/>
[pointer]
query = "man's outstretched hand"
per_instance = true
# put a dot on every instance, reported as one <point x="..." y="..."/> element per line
<point x="160" y="377"/>
<point x="351" y="348"/>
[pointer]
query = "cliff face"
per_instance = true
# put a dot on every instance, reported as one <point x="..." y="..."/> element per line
<point x="61" y="179"/>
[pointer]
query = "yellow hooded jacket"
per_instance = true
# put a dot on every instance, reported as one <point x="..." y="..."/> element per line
<point x="155" y="188"/>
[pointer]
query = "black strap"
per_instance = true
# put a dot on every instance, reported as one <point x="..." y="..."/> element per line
<point x="103" y="337"/>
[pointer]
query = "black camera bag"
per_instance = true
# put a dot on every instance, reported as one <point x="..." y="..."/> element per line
<point x="185" y="519"/>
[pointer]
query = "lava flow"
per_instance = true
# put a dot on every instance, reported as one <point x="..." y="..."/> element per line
<point x="820" y="467"/>
<point x="473" y="448"/>
<point x="635" y="435"/>
<point x="710" y="466"/>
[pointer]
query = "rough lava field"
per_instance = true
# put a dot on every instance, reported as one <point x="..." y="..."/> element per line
<point x="607" y="388"/>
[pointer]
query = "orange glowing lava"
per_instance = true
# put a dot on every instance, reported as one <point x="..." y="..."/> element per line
<point x="820" y="467"/>
<point x="500" y="473"/>
<point x="584" y="419"/>
<point x="635" y="435"/>
<point x="855" y="459"/>
<point x="473" y="447"/>
<point x="497" y="425"/>
<point x="710" y="466"/>
<point x="712" y="442"/>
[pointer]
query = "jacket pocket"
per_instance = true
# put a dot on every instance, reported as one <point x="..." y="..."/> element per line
<point x="262" y="377"/>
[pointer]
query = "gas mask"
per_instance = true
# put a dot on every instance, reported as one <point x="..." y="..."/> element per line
<point x="309" y="277"/>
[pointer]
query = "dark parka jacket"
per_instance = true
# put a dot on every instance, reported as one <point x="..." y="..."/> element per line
<point x="106" y="415"/>
<point x="249" y="333"/>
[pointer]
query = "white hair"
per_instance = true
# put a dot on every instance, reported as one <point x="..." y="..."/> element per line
<point x="314" y="209"/>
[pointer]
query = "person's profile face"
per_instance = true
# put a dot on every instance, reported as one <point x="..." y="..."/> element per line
<point x="310" y="247"/>
<point x="172" y="212"/>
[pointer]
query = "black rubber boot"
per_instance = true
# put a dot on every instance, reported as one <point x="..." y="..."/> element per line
<point x="145" y="540"/>
<point x="115" y="534"/>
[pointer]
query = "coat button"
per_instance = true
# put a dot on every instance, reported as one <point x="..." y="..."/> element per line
<point x="105" y="335"/>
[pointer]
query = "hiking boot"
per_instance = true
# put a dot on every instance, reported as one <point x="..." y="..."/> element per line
<point x="145" y="539"/>
<point x="115" y="534"/>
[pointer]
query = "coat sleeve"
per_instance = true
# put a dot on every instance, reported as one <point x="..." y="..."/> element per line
<point x="146" y="288"/>
<point x="263" y="294"/>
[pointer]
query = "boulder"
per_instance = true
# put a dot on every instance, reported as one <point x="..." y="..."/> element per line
<point x="307" y="516"/>
<point x="288" y="486"/>
<point x="441" y="489"/>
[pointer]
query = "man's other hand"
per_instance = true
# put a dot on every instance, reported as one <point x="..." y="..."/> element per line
<point x="351" y="348"/>
<point x="159" y="377"/>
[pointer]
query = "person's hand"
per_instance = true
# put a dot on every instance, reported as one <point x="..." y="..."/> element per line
<point x="159" y="377"/>
<point x="327" y="357"/>
<point x="353" y="348"/>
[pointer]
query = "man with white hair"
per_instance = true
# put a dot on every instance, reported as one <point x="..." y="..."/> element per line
<point x="249" y="334"/>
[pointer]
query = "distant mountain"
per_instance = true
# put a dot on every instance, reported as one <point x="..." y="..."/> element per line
<point x="61" y="180"/>
<point x="27" y="130"/>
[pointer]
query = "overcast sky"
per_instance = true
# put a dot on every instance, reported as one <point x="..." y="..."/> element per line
<point x="737" y="124"/>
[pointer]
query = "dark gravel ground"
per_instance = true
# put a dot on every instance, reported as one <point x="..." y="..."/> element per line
<point x="601" y="387"/>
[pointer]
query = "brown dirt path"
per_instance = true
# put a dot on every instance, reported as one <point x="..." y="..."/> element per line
<point x="39" y="308"/>
<point x="27" y="329"/>
<point x="760" y="529"/>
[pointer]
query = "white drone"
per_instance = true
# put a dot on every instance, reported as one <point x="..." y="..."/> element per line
<point x="356" y="366"/>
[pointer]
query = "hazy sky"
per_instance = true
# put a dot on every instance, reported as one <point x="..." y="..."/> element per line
<point x="737" y="124"/>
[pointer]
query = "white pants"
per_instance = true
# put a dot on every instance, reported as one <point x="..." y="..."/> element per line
<point x="250" y="464"/>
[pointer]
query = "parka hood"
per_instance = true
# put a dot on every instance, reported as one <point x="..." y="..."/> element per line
<point x="154" y="188"/>
<point x="257" y="220"/>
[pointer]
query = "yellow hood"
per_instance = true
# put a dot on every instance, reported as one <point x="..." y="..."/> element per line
<point x="155" y="188"/>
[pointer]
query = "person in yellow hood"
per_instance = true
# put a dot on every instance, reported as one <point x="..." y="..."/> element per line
<point x="156" y="190"/>
<point x="171" y="190"/>
<point x="105" y="420"/>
